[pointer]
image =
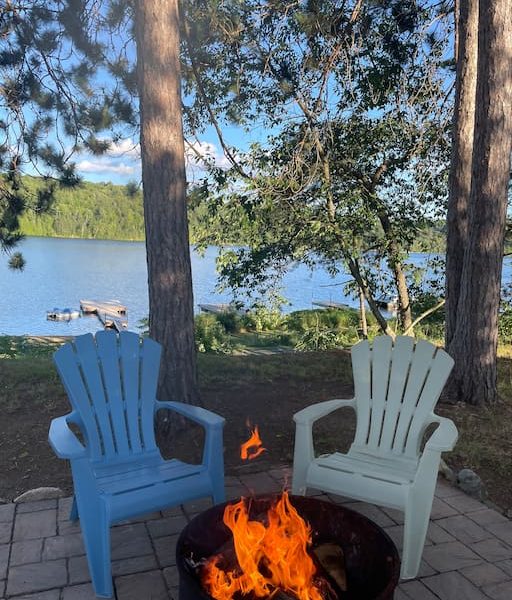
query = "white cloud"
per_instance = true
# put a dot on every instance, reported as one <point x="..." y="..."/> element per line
<point x="102" y="166"/>
<point x="126" y="147"/>
<point x="122" y="160"/>
<point x="199" y="153"/>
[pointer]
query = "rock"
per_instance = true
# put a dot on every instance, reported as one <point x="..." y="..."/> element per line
<point x="470" y="483"/>
<point x="41" y="493"/>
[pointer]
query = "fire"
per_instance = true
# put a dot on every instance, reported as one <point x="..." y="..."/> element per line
<point x="253" y="447"/>
<point x="270" y="556"/>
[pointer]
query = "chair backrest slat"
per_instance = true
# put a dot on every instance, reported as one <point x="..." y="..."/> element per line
<point x="67" y="365"/>
<point x="108" y="353"/>
<point x="419" y="370"/>
<point x="381" y="361"/>
<point x="130" y="360"/>
<point x="441" y="367"/>
<point x="396" y="388"/>
<point x="88" y="358"/>
<point x="362" y="371"/>
<point x="151" y="353"/>
<point x="402" y="353"/>
<point x="112" y="381"/>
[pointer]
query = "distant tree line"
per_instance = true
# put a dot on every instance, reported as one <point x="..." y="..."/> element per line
<point x="108" y="211"/>
<point x="89" y="210"/>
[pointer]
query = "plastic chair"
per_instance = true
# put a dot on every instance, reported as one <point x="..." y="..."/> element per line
<point x="118" y="471"/>
<point x="396" y="387"/>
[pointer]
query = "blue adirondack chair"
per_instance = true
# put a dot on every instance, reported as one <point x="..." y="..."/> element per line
<point x="118" y="471"/>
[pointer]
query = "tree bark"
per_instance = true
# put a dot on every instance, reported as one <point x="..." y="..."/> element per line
<point x="394" y="262"/>
<point x="355" y="271"/>
<point x="392" y="247"/>
<point x="362" y="314"/>
<point x="474" y="344"/>
<point x="466" y="25"/>
<point x="404" y="301"/>
<point x="171" y="316"/>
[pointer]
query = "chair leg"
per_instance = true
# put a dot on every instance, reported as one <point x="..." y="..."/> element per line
<point x="73" y="515"/>
<point x="303" y="455"/>
<point x="96" y="534"/>
<point x="299" y="484"/>
<point x="218" y="490"/>
<point x="213" y="457"/>
<point x="416" y="520"/>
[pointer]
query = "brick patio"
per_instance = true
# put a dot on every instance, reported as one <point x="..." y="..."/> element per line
<point x="468" y="555"/>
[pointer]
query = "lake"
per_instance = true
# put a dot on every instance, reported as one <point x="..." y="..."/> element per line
<point x="61" y="272"/>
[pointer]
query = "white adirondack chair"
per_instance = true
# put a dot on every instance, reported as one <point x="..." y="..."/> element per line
<point x="396" y="387"/>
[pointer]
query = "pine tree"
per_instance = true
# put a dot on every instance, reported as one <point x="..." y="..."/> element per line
<point x="69" y="84"/>
<point x="475" y="340"/>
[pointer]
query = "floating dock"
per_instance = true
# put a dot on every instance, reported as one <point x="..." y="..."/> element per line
<point x="218" y="309"/>
<point x="330" y="304"/>
<point x="108" y="306"/>
<point x="389" y="304"/>
<point x="111" y="313"/>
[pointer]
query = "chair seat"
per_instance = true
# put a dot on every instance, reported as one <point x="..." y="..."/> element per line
<point x="387" y="469"/>
<point x="370" y="480"/>
<point x="120" y="478"/>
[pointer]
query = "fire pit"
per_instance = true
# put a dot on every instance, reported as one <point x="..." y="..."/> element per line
<point x="371" y="564"/>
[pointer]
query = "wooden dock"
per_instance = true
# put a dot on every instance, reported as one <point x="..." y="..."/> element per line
<point x="330" y="304"/>
<point x="107" y="306"/>
<point x="111" y="313"/>
<point x="218" y="309"/>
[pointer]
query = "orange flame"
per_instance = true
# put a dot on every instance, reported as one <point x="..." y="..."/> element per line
<point x="253" y="447"/>
<point x="269" y="556"/>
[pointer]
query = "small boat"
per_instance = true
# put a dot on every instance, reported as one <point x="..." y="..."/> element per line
<point x="62" y="314"/>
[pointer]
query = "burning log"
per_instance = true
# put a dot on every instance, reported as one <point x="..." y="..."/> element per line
<point x="330" y="557"/>
<point x="330" y="578"/>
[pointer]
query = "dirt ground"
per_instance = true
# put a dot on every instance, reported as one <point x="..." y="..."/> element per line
<point x="254" y="390"/>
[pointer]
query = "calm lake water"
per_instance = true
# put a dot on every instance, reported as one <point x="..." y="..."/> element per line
<point x="61" y="272"/>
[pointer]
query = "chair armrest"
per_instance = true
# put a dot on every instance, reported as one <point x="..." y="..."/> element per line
<point x="199" y="415"/>
<point x="444" y="437"/>
<point x="310" y="414"/>
<point x="64" y="442"/>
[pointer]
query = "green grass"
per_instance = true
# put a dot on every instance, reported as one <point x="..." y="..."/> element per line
<point x="250" y="369"/>
<point x="20" y="347"/>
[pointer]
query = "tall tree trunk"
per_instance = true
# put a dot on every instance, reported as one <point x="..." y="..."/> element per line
<point x="393" y="248"/>
<point x="362" y="314"/>
<point x="474" y="344"/>
<point x="466" y="51"/>
<point x="355" y="271"/>
<point x="395" y="264"/>
<point x="171" y="317"/>
<point x="404" y="301"/>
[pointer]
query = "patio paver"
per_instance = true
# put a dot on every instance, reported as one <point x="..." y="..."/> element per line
<point x="468" y="553"/>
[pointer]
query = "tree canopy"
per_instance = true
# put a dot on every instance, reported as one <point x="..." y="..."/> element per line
<point x="62" y="91"/>
<point x="355" y="97"/>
